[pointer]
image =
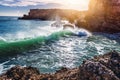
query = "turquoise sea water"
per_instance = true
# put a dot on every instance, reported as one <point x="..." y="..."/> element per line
<point x="35" y="43"/>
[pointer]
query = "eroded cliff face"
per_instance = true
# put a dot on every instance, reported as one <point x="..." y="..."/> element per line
<point x="102" y="16"/>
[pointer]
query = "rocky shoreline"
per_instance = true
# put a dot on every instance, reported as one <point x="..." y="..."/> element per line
<point x="103" y="67"/>
<point x="103" y="16"/>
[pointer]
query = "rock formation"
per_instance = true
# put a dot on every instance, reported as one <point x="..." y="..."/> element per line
<point x="103" y="67"/>
<point x="102" y="16"/>
<point x="50" y="14"/>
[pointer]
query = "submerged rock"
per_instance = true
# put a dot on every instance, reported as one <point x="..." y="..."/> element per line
<point x="103" y="67"/>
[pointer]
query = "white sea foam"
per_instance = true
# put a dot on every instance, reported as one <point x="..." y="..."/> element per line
<point x="2" y="39"/>
<point x="2" y="69"/>
<point x="40" y="31"/>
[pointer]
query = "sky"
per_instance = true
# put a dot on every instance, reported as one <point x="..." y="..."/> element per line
<point x="20" y="7"/>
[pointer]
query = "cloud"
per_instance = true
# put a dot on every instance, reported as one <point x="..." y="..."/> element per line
<point x="57" y="3"/>
<point x="22" y="3"/>
<point x="19" y="3"/>
<point x="54" y="4"/>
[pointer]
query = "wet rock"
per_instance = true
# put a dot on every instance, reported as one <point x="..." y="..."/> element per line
<point x="114" y="63"/>
<point x="111" y="61"/>
<point x="96" y="71"/>
<point x="20" y="73"/>
<point x="103" y="67"/>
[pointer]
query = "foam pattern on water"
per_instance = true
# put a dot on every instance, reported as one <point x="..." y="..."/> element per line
<point x="65" y="51"/>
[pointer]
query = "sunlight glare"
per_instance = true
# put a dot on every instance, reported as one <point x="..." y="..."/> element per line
<point x="75" y="4"/>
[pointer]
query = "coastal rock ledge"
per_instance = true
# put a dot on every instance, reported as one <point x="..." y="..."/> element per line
<point x="103" y="67"/>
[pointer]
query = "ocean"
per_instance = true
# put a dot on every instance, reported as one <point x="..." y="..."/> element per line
<point x="35" y="43"/>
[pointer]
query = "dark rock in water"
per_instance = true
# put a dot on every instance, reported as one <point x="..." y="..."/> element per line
<point x="103" y="67"/>
<point x="114" y="55"/>
<point x="82" y="34"/>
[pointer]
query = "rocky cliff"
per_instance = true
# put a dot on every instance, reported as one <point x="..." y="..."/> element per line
<point x="102" y="16"/>
<point x="50" y="14"/>
<point x="104" y="67"/>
